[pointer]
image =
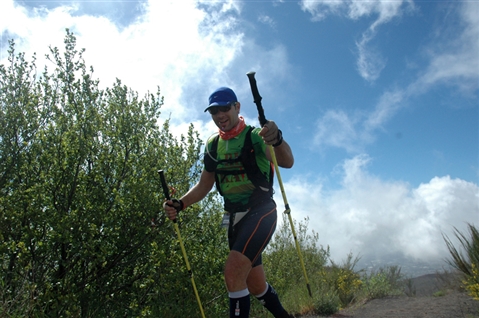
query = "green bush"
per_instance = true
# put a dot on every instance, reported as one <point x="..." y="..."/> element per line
<point x="327" y="302"/>
<point x="383" y="282"/>
<point x="82" y="231"/>
<point x="467" y="260"/>
<point x="344" y="280"/>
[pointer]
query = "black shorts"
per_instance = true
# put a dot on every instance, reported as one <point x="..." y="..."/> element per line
<point x="252" y="233"/>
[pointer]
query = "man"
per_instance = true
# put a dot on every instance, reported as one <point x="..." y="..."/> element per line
<point x="239" y="162"/>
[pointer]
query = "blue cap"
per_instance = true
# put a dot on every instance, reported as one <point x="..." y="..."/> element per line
<point x="221" y="97"/>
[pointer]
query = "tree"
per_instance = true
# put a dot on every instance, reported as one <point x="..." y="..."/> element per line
<point x="81" y="227"/>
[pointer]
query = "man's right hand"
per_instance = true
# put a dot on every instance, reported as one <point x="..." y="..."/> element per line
<point x="172" y="207"/>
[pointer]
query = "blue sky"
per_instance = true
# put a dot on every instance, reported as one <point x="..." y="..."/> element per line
<point x="378" y="99"/>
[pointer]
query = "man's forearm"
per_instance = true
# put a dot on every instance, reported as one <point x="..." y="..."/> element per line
<point x="199" y="190"/>
<point x="284" y="155"/>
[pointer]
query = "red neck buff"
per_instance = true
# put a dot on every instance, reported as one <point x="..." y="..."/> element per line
<point x="235" y="131"/>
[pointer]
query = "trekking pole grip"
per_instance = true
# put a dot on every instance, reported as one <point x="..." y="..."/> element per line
<point x="164" y="186"/>
<point x="256" y="98"/>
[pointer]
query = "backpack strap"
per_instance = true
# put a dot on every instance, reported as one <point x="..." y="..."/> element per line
<point x="248" y="159"/>
<point x="210" y="158"/>
<point x="263" y="185"/>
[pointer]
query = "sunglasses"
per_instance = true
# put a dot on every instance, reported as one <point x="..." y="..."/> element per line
<point x="224" y="109"/>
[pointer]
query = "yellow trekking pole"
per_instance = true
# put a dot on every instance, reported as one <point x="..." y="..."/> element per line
<point x="177" y="229"/>
<point x="262" y="120"/>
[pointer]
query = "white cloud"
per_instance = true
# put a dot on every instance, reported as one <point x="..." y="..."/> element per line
<point x="370" y="61"/>
<point x="388" y="105"/>
<point x="369" y="216"/>
<point x="155" y="51"/>
<point x="31" y="28"/>
<point x="338" y="129"/>
<point x="452" y="62"/>
<point x="187" y="48"/>
<point x="354" y="131"/>
<point x="320" y="9"/>
<point x="266" y="19"/>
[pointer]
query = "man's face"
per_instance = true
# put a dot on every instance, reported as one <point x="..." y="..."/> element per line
<point x="225" y="117"/>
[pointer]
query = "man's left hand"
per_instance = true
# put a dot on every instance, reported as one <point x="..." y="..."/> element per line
<point x="270" y="133"/>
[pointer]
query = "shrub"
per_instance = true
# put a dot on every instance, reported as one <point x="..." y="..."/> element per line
<point x="468" y="264"/>
<point x="382" y="282"/>
<point x="472" y="282"/>
<point x="327" y="302"/>
<point x="343" y="279"/>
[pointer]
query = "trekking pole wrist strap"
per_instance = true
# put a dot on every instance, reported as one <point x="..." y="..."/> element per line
<point x="179" y="205"/>
<point x="280" y="138"/>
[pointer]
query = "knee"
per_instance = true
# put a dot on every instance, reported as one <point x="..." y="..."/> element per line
<point x="256" y="285"/>
<point x="236" y="271"/>
<point x="257" y="289"/>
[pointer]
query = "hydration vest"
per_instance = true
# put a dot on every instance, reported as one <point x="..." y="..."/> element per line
<point x="263" y="185"/>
